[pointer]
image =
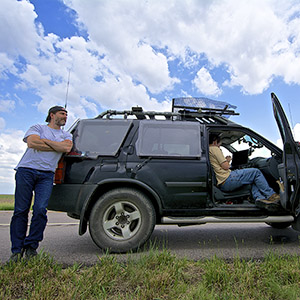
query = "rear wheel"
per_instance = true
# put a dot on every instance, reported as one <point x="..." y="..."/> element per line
<point x="122" y="220"/>
<point x="281" y="225"/>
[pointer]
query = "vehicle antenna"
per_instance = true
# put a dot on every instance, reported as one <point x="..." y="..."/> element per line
<point x="291" y="118"/>
<point x="68" y="83"/>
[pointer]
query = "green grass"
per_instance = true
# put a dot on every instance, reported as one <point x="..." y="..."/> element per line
<point x="157" y="275"/>
<point x="6" y="202"/>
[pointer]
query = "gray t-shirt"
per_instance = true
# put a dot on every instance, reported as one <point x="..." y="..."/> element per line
<point x="43" y="160"/>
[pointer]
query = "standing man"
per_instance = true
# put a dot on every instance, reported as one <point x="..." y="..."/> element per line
<point x="35" y="173"/>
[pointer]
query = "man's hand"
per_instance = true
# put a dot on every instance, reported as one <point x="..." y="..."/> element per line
<point x="64" y="146"/>
<point x="226" y="164"/>
<point x="228" y="158"/>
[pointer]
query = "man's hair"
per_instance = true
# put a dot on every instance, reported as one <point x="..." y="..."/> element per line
<point x="214" y="137"/>
<point x="54" y="110"/>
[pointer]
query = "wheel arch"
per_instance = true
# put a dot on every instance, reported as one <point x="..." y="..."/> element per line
<point x="110" y="184"/>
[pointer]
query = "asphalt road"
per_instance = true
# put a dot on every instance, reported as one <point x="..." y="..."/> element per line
<point x="248" y="241"/>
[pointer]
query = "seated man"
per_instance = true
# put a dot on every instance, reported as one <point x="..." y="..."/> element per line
<point x="228" y="180"/>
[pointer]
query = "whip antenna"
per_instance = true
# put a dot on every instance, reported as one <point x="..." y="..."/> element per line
<point x="68" y="83"/>
<point x="292" y="123"/>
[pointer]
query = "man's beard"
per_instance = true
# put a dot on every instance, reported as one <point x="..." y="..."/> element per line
<point x="60" y="122"/>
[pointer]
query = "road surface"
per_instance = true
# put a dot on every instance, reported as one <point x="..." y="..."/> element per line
<point x="248" y="241"/>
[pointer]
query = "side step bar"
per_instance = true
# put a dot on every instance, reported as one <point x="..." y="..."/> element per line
<point x="203" y="220"/>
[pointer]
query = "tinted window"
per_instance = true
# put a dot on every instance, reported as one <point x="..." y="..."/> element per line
<point x="100" y="137"/>
<point x="167" y="138"/>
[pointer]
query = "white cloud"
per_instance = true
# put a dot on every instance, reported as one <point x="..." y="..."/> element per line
<point x="122" y="31"/>
<point x="93" y="79"/>
<point x="131" y="43"/>
<point x="6" y="105"/>
<point x="279" y="143"/>
<point x="297" y="132"/>
<point x="255" y="41"/>
<point x="296" y="135"/>
<point x="18" y="34"/>
<point x="149" y="67"/>
<point x="11" y="151"/>
<point x="127" y="94"/>
<point x="2" y="123"/>
<point x="205" y="83"/>
<point x="6" y="66"/>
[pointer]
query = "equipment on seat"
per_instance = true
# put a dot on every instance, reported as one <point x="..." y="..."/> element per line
<point x="239" y="159"/>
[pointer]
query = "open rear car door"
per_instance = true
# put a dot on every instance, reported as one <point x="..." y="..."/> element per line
<point x="289" y="170"/>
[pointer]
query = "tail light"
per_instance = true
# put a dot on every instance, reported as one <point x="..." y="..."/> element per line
<point x="60" y="171"/>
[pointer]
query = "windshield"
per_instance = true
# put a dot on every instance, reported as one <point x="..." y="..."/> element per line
<point x="244" y="142"/>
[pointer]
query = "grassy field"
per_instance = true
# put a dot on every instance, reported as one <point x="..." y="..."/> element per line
<point x="6" y="202"/>
<point x="158" y="275"/>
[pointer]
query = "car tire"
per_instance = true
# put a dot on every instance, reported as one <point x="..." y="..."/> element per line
<point x="280" y="225"/>
<point x="122" y="220"/>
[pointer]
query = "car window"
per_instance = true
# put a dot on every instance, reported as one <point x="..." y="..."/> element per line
<point x="167" y="138"/>
<point x="243" y="142"/>
<point x="100" y="137"/>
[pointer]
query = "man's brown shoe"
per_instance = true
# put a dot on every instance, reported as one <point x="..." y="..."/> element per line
<point x="274" y="198"/>
<point x="267" y="204"/>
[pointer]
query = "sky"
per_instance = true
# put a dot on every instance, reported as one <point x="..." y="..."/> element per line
<point x="95" y="55"/>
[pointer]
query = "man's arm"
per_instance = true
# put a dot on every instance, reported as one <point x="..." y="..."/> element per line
<point x="64" y="146"/>
<point x="226" y="164"/>
<point x="223" y="161"/>
<point x="35" y="142"/>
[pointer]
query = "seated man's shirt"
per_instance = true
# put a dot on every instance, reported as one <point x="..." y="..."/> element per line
<point x="216" y="157"/>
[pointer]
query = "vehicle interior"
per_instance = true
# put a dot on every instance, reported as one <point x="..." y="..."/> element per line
<point x="246" y="151"/>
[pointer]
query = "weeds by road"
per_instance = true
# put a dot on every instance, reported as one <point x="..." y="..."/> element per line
<point x="6" y="202"/>
<point x="158" y="275"/>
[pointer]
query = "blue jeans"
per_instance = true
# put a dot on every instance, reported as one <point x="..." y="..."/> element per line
<point x="259" y="185"/>
<point x="27" y="181"/>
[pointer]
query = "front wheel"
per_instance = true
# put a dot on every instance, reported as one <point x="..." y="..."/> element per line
<point x="122" y="220"/>
<point x="281" y="225"/>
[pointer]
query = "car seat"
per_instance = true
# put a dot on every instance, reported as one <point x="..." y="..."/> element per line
<point x="242" y="193"/>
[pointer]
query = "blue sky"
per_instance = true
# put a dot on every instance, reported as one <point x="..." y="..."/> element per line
<point x="125" y="53"/>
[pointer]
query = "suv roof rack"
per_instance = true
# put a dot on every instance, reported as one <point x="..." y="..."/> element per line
<point x="138" y="112"/>
<point x="207" y="111"/>
<point x="203" y="109"/>
<point x="204" y="115"/>
<point x="202" y="104"/>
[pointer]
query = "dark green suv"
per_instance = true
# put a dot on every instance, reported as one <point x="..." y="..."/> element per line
<point x="131" y="170"/>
